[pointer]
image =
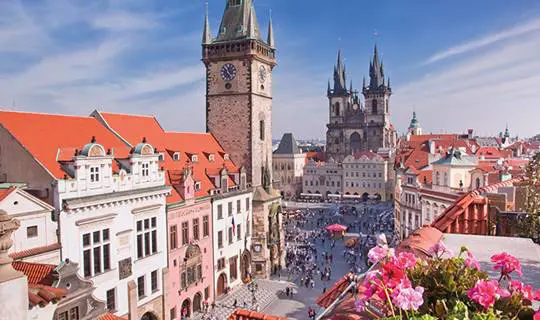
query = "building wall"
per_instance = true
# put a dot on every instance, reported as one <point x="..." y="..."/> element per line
<point x="289" y="170"/>
<point x="365" y="176"/>
<point x="176" y="215"/>
<point x="239" y="245"/>
<point x="323" y="179"/>
<point x="18" y="165"/>
<point x="31" y="213"/>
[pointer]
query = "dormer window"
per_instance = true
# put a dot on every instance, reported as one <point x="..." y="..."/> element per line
<point x="94" y="174"/>
<point x="161" y="157"/>
<point x="176" y="156"/>
<point x="145" y="170"/>
<point x="194" y="158"/>
<point x="198" y="186"/>
<point x="211" y="157"/>
<point x="226" y="157"/>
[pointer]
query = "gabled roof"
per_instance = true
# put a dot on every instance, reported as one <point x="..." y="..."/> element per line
<point x="44" y="136"/>
<point x="131" y="128"/>
<point x="6" y="192"/>
<point x="287" y="145"/>
<point x="242" y="314"/>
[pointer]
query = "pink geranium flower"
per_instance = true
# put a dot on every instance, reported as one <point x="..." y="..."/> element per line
<point x="471" y="262"/>
<point x="407" y="298"/>
<point x="439" y="249"/>
<point x="377" y="253"/>
<point x="506" y="263"/>
<point x="405" y="260"/>
<point x="537" y="295"/>
<point x="526" y="291"/>
<point x="486" y="292"/>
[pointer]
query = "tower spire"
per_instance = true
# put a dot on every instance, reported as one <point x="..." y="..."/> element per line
<point x="207" y="35"/>
<point x="376" y="73"/>
<point x="239" y="22"/>
<point x="339" y="75"/>
<point x="270" y="39"/>
<point x="251" y="25"/>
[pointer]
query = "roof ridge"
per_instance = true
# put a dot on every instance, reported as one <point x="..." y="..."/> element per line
<point x="126" y="114"/>
<point x="46" y="114"/>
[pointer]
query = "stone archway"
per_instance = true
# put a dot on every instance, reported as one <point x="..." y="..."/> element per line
<point x="149" y="316"/>
<point x="186" y="308"/>
<point x="221" y="284"/>
<point x="245" y="267"/>
<point x="365" y="196"/>
<point x="197" y="302"/>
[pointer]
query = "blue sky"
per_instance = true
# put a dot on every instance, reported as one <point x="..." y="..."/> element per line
<point x="459" y="64"/>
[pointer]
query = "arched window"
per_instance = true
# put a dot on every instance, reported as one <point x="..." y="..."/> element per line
<point x="336" y="109"/>
<point x="477" y="183"/>
<point x="192" y="267"/>
<point x="261" y="129"/>
<point x="356" y="142"/>
<point x="446" y="179"/>
<point x="438" y="178"/>
<point x="386" y="106"/>
<point x="374" y="106"/>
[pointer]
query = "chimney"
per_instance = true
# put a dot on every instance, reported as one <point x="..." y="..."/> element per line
<point x="470" y="133"/>
<point x="431" y="146"/>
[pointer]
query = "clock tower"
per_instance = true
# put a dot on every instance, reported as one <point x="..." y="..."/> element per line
<point x="239" y="68"/>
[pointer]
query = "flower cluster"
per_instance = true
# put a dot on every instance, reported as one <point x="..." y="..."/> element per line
<point x="401" y="280"/>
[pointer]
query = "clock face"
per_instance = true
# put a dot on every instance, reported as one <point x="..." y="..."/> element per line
<point x="262" y="74"/>
<point x="228" y="72"/>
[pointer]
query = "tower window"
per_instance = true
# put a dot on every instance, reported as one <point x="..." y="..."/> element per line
<point x="374" y="106"/>
<point x="234" y="2"/>
<point x="261" y="129"/>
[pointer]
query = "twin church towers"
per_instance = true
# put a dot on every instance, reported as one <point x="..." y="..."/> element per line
<point x="353" y="126"/>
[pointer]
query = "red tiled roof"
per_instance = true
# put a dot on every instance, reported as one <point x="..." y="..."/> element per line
<point x="45" y="136"/>
<point x="242" y="314"/>
<point x="34" y="251"/>
<point x="40" y="281"/>
<point x="110" y="316"/>
<point x="420" y="241"/>
<point x="133" y="127"/>
<point x="462" y="217"/>
<point x="333" y="293"/>
<point x="6" y="192"/>
<point x="37" y="273"/>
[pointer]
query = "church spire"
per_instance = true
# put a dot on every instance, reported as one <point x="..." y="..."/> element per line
<point x="239" y="21"/>
<point x="340" y="85"/>
<point x="376" y="72"/>
<point x="270" y="40"/>
<point x="207" y="35"/>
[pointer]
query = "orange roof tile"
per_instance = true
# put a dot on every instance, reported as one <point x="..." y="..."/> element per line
<point x="133" y="127"/>
<point x="5" y="192"/>
<point x="110" y="316"/>
<point x="242" y="314"/>
<point x="34" y="251"/>
<point x="37" y="273"/>
<point x="46" y="135"/>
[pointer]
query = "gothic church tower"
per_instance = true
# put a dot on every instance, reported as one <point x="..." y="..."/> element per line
<point x="239" y="68"/>
<point x="379" y="133"/>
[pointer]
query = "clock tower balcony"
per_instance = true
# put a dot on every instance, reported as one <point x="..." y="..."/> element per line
<point x="222" y="51"/>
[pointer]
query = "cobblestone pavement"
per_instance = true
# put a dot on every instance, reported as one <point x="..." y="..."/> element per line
<point x="268" y="291"/>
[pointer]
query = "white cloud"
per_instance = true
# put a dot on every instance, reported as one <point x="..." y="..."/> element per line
<point x="474" y="44"/>
<point x="123" y="21"/>
<point x="484" y="91"/>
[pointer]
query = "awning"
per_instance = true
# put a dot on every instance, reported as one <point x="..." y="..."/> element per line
<point x="352" y="196"/>
<point x="311" y="195"/>
<point x="334" y="195"/>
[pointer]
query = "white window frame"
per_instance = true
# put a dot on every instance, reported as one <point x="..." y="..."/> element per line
<point x="93" y="245"/>
<point x="145" y="169"/>
<point x="176" y="156"/>
<point x="94" y="174"/>
<point x="146" y="232"/>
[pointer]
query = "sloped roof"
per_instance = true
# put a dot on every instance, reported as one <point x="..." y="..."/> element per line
<point x="40" y="282"/>
<point x="45" y="135"/>
<point x="456" y="158"/>
<point x="34" y="251"/>
<point x="242" y="314"/>
<point x="110" y="316"/>
<point x="287" y="145"/>
<point x="6" y="192"/>
<point x="132" y="128"/>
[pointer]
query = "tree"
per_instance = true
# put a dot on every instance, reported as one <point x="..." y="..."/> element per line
<point x="530" y="224"/>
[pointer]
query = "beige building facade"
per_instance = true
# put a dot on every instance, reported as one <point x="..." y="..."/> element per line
<point x="288" y="165"/>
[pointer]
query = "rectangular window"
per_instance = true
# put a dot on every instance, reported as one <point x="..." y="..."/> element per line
<point x="154" y="281"/>
<point x="74" y="313"/>
<point x="238" y="233"/>
<point x="196" y="229"/>
<point x="145" y="169"/>
<point x="173" y="313"/>
<point x="247" y="204"/>
<point x="206" y="293"/>
<point x="63" y="316"/>
<point x="229" y="208"/>
<point x="185" y="233"/>
<point x="233" y="268"/>
<point x="111" y="299"/>
<point x="238" y="206"/>
<point x="31" y="232"/>
<point x="220" y="239"/>
<point x="221" y="264"/>
<point x="147" y="237"/>
<point x="206" y="226"/>
<point x="220" y="211"/>
<point x="140" y="287"/>
<point x="94" y="174"/>
<point x="173" y="237"/>
<point x="96" y="252"/>
<point x="230" y="235"/>
<point x="261" y="129"/>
